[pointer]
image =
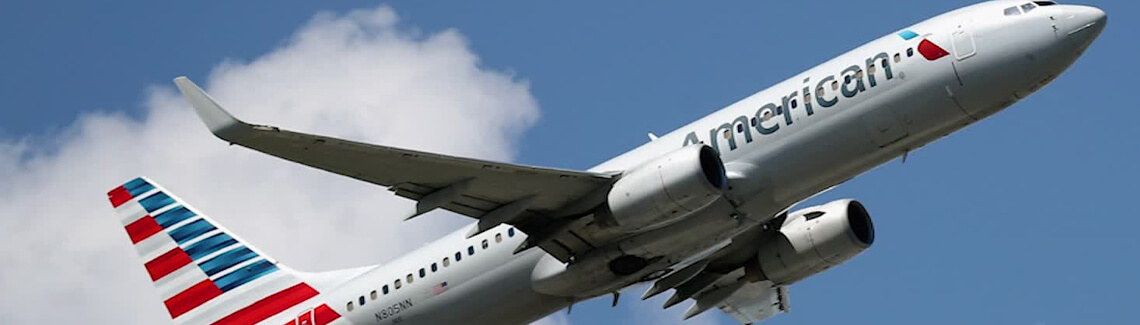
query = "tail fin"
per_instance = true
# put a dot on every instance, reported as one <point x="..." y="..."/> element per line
<point x="204" y="273"/>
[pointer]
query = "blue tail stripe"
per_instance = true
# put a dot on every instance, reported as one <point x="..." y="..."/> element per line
<point x="227" y="260"/>
<point x="173" y="216"/>
<point x="245" y="275"/>
<point x="156" y="201"/>
<point x="191" y="230"/>
<point x="209" y="246"/>
<point x="138" y="186"/>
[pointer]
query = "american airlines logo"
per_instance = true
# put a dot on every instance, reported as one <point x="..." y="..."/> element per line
<point x="848" y="83"/>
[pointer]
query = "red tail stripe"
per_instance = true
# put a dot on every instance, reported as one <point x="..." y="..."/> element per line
<point x="166" y="263"/>
<point x="142" y="229"/>
<point x="119" y="195"/>
<point x="272" y="305"/>
<point x="192" y="298"/>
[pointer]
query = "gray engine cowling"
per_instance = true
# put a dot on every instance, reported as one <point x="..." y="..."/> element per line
<point x="815" y="239"/>
<point x="666" y="189"/>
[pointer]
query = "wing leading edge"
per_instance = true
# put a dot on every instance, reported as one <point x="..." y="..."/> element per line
<point x="537" y="200"/>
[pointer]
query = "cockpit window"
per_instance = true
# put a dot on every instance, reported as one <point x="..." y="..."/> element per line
<point x="1012" y="11"/>
<point x="1045" y="3"/>
<point x="1028" y="7"/>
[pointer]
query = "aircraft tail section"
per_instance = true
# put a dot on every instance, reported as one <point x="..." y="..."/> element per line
<point x="203" y="272"/>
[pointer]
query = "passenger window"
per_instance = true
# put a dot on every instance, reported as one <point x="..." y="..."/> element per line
<point x="446" y="262"/>
<point x="485" y="244"/>
<point x="898" y="58"/>
<point x="498" y="238"/>
<point x="752" y="121"/>
<point x="423" y="273"/>
<point x="1028" y="7"/>
<point x="349" y="306"/>
<point x="470" y="250"/>
<point x="434" y="267"/>
<point x="511" y="232"/>
<point x="871" y="69"/>
<point x="727" y="134"/>
<point x="793" y="103"/>
<point x="1012" y="11"/>
<point x="384" y="289"/>
<point x="807" y="98"/>
<point x="846" y="79"/>
<point x="779" y="110"/>
<point x="884" y="63"/>
<point x="909" y="52"/>
<point x="361" y="300"/>
<point x="834" y="85"/>
<point x="458" y="256"/>
<point x="398" y="285"/>
<point x="859" y="75"/>
<point x="818" y="92"/>
<point x="374" y="295"/>
<point x="739" y="127"/>
<point x="410" y="278"/>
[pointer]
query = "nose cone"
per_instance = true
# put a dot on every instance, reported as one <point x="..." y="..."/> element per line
<point x="1083" y="23"/>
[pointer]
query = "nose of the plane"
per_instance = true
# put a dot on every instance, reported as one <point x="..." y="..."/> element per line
<point x="1084" y="23"/>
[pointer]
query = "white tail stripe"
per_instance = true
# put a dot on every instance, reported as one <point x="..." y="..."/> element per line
<point x="154" y="246"/>
<point x="130" y="212"/>
<point x="180" y="280"/>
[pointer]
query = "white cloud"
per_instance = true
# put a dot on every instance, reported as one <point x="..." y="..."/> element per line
<point x="64" y="258"/>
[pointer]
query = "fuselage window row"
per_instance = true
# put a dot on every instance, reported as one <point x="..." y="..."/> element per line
<point x="397" y="284"/>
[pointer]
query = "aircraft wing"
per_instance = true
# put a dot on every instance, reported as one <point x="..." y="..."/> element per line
<point x="539" y="201"/>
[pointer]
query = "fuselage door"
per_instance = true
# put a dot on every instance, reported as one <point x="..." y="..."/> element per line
<point x="964" y="46"/>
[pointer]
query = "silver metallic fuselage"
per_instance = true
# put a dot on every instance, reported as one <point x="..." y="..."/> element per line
<point x="992" y="61"/>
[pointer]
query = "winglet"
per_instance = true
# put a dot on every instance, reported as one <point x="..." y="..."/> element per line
<point x="220" y="122"/>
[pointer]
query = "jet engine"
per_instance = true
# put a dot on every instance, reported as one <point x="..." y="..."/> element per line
<point x="666" y="189"/>
<point x="815" y="239"/>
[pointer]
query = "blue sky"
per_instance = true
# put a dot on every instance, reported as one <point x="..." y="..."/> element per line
<point x="1024" y="218"/>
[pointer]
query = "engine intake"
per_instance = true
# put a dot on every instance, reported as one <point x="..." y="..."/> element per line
<point x="815" y="239"/>
<point x="666" y="189"/>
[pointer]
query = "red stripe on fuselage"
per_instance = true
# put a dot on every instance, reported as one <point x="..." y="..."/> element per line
<point x="118" y="196"/>
<point x="166" y="263"/>
<point x="272" y="305"/>
<point x="320" y="316"/>
<point x="931" y="51"/>
<point x="142" y="229"/>
<point x="192" y="298"/>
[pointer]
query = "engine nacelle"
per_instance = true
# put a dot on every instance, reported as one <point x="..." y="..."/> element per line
<point x="815" y="239"/>
<point x="666" y="189"/>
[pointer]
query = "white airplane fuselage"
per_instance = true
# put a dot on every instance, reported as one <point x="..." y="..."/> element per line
<point x="879" y="101"/>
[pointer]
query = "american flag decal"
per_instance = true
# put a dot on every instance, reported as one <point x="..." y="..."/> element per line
<point x="439" y="288"/>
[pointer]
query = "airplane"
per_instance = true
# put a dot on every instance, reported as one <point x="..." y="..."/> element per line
<point x="705" y="211"/>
